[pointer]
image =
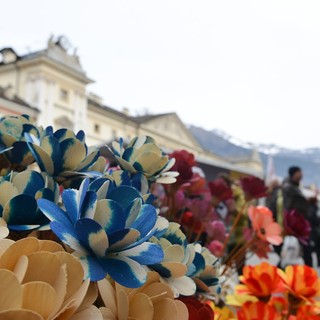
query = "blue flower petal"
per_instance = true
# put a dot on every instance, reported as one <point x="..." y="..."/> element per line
<point x="73" y="200"/>
<point x="141" y="240"/>
<point x="28" y="182"/>
<point x="21" y="210"/>
<point x="88" y="161"/>
<point x="81" y="136"/>
<point x="122" y="239"/>
<point x="125" y="271"/>
<point x="96" y="184"/>
<point x="62" y="134"/>
<point x="51" y="145"/>
<point x="42" y="158"/>
<point x="68" y="235"/>
<point x="198" y="263"/>
<point x="110" y="215"/>
<point x="124" y="195"/>
<point x="92" y="267"/>
<point x="16" y="227"/>
<point x="146" y="220"/>
<point x="121" y="177"/>
<point x="140" y="182"/>
<point x="146" y="253"/>
<point x="92" y="236"/>
<point x="133" y="212"/>
<point x="89" y="205"/>
<point x="127" y="154"/>
<point x="19" y="153"/>
<point x="53" y="212"/>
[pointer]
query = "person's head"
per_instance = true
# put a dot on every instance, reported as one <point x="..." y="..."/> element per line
<point x="295" y="174"/>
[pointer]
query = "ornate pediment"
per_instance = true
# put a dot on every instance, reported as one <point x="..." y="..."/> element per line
<point x="170" y="125"/>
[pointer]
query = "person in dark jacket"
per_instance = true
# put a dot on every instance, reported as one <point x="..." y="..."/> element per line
<point x="292" y="195"/>
<point x="294" y="199"/>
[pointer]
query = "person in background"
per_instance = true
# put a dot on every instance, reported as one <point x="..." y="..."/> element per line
<point x="294" y="199"/>
<point x="292" y="195"/>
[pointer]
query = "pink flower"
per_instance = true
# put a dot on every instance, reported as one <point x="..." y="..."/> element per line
<point x="201" y="208"/>
<point x="216" y="248"/>
<point x="216" y="230"/>
<point x="264" y="226"/>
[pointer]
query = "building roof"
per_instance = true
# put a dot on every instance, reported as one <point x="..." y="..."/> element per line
<point x="253" y="156"/>
<point x="149" y="117"/>
<point x="15" y="99"/>
<point x="110" y="110"/>
<point x="138" y="119"/>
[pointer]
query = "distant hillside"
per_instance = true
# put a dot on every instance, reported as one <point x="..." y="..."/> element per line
<point x="227" y="146"/>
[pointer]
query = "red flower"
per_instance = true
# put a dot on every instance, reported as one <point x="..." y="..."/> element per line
<point x="220" y="190"/>
<point x="254" y="188"/>
<point x="296" y="225"/>
<point x="187" y="219"/>
<point x="196" y="185"/>
<point x="197" y="310"/>
<point x="258" y="311"/>
<point x="184" y="163"/>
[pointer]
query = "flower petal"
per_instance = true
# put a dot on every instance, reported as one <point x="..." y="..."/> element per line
<point x="125" y="271"/>
<point x="146" y="253"/>
<point x="92" y="236"/>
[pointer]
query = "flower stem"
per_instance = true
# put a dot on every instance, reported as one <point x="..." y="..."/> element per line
<point x="234" y="225"/>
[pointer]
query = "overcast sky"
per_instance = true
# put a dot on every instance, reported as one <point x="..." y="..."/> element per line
<point x="250" y="68"/>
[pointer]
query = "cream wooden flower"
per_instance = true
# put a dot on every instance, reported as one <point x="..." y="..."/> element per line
<point x="153" y="301"/>
<point x="40" y="281"/>
<point x="4" y="231"/>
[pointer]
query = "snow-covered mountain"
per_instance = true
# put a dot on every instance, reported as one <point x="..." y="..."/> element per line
<point x="227" y="146"/>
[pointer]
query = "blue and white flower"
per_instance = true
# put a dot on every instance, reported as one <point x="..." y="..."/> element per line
<point x="18" y="199"/>
<point x="138" y="181"/>
<point x="207" y="277"/>
<point x="174" y="267"/>
<point x="62" y="154"/>
<point x="108" y="228"/>
<point x="144" y="155"/>
<point x="15" y="154"/>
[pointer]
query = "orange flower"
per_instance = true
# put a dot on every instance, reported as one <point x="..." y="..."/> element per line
<point x="308" y="312"/>
<point x="281" y="304"/>
<point x="301" y="281"/>
<point x="261" y="280"/>
<point x="258" y="311"/>
<point x="264" y="226"/>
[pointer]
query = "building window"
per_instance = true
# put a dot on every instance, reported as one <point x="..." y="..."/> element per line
<point x="97" y="128"/>
<point x="64" y="95"/>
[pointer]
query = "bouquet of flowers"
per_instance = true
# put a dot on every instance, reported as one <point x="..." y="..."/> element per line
<point x="146" y="239"/>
